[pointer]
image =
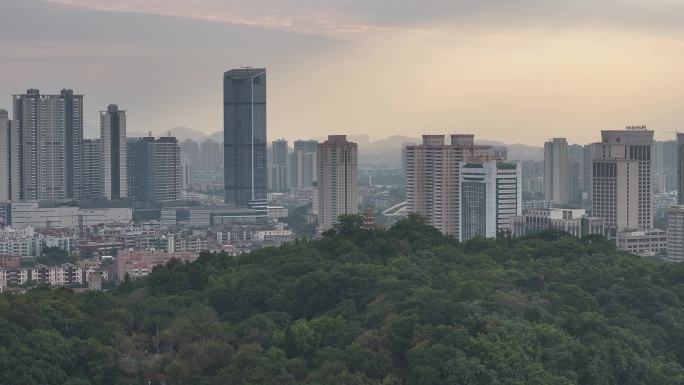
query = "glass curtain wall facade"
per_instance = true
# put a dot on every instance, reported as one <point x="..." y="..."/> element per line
<point x="244" y="130"/>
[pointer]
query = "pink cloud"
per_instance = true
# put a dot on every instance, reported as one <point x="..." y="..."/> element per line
<point x="282" y="15"/>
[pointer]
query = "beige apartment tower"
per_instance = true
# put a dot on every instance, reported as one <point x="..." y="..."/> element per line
<point x="432" y="177"/>
<point x="338" y="192"/>
<point x="621" y="179"/>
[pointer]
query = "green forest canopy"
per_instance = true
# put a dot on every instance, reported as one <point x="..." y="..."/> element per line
<point x="399" y="306"/>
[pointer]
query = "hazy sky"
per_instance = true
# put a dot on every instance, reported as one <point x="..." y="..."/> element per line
<point x="516" y="71"/>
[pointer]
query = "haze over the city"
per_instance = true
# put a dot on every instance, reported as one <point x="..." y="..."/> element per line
<point x="519" y="71"/>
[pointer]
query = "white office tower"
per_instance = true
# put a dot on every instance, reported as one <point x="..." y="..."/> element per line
<point x="490" y="198"/>
<point x="621" y="180"/>
<point x="432" y="177"/>
<point x="338" y="191"/>
<point x="49" y="134"/>
<point x="114" y="152"/>
<point x="5" y="157"/>
<point x="556" y="171"/>
<point x="675" y="234"/>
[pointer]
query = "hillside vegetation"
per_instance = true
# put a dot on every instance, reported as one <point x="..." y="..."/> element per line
<point x="401" y="306"/>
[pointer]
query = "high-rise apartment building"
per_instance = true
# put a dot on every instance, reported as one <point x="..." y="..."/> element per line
<point x="114" y="152"/>
<point x="532" y="180"/>
<point x="6" y="151"/>
<point x="49" y="131"/>
<point x="675" y="234"/>
<point x="190" y="152"/>
<point x="186" y="171"/>
<point x="154" y="169"/>
<point x="210" y="156"/>
<point x="306" y="145"/>
<point x="575" y="174"/>
<point x="432" y="177"/>
<point x="574" y="190"/>
<point x="140" y="169"/>
<point x="664" y="166"/>
<point x="680" y="168"/>
<point x="338" y="192"/>
<point x="303" y="164"/>
<point x="278" y="167"/>
<point x="93" y="179"/>
<point x="490" y="198"/>
<point x="621" y="188"/>
<point x="403" y="156"/>
<point x="556" y="171"/>
<point x="587" y="175"/>
<point x="203" y="156"/>
<point x="304" y="170"/>
<point x="244" y="130"/>
<point x="167" y="171"/>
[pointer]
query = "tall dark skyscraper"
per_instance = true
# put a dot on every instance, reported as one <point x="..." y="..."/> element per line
<point x="154" y="169"/>
<point x="141" y="169"/>
<point x="244" y="132"/>
<point x="114" y="152"/>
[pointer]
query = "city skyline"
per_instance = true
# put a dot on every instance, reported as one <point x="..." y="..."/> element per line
<point x="538" y="76"/>
<point x="299" y="192"/>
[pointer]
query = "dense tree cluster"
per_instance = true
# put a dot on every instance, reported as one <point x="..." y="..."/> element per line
<point x="386" y="307"/>
<point x="296" y="222"/>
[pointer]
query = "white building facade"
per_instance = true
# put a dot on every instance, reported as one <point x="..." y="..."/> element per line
<point x="621" y="180"/>
<point x="675" y="234"/>
<point x="432" y="177"/>
<point x="490" y="198"/>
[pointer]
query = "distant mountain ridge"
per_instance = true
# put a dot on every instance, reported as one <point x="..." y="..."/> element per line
<point x="385" y="152"/>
